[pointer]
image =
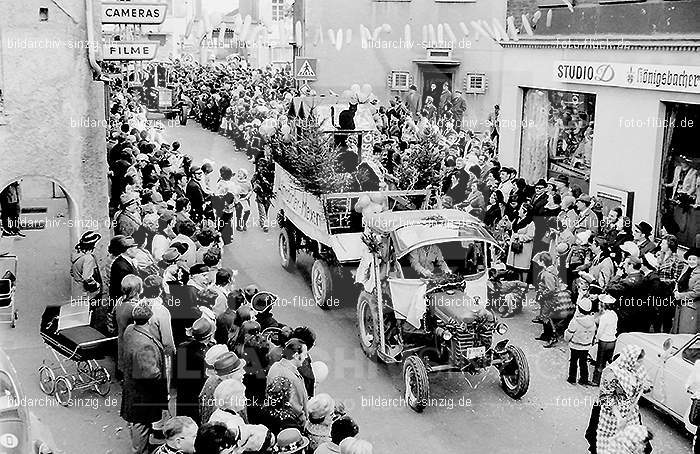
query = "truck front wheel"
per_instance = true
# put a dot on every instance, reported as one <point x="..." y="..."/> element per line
<point x="322" y="284"/>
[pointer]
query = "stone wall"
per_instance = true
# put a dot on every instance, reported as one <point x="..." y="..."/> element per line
<point x="54" y="126"/>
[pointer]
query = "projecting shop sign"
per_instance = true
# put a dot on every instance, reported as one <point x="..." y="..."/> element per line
<point x="133" y="13"/>
<point x="122" y="50"/>
<point x="682" y="79"/>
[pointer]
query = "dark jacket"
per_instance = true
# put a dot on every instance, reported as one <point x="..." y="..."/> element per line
<point x="196" y="196"/>
<point x="145" y="390"/>
<point x="190" y="376"/>
<point x="119" y="270"/>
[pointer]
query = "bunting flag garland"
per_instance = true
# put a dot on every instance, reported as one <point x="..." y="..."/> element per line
<point x="512" y="29"/>
<point x="299" y="32"/>
<point x="440" y="34"/>
<point x="331" y="36"/>
<point x="339" y="40"/>
<point x="348" y="36"/>
<point x="536" y="17"/>
<point x="526" y="25"/>
<point x="464" y="28"/>
<point x="407" y="33"/>
<point x="549" y="18"/>
<point x="494" y="29"/>
<point x="498" y="25"/>
<point x="479" y="30"/>
<point x="450" y="34"/>
<point x="488" y="29"/>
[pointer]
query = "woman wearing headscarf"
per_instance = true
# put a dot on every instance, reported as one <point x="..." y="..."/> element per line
<point x="243" y="190"/>
<point x="622" y="383"/>
<point x="278" y="413"/>
<point x="520" y="251"/>
<point x="692" y="387"/>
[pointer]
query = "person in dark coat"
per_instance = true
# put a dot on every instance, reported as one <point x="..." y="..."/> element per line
<point x="123" y="265"/>
<point x="196" y="194"/>
<point x="629" y="291"/>
<point x="190" y="367"/>
<point x="183" y="305"/>
<point x="308" y="337"/>
<point x="145" y="390"/>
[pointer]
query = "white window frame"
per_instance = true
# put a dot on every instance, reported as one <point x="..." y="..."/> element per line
<point x="396" y="87"/>
<point x="428" y="51"/>
<point x="468" y="88"/>
<point x="277" y="10"/>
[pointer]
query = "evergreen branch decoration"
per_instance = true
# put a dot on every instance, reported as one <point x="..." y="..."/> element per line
<point x="313" y="160"/>
<point x="420" y="165"/>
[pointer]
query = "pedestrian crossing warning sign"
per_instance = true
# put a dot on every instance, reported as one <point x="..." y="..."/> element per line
<point x="305" y="69"/>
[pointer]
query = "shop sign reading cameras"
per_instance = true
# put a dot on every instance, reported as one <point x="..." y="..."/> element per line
<point x="305" y="69"/>
<point x="123" y="50"/>
<point x="133" y="13"/>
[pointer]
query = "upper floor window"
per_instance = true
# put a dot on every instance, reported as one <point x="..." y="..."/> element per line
<point x="277" y="10"/>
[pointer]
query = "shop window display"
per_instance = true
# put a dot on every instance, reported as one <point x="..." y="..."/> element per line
<point x="557" y="135"/>
<point x="680" y="189"/>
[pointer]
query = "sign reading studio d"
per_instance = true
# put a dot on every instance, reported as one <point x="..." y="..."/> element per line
<point x="133" y="13"/>
<point x="682" y="79"/>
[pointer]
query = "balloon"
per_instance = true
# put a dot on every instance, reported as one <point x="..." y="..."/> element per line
<point x="366" y="90"/>
<point x="355" y="88"/>
<point x="347" y="93"/>
<point x="285" y="129"/>
<point x="320" y="370"/>
<point x="362" y="202"/>
<point x="282" y="119"/>
<point x="372" y="208"/>
<point x="273" y="123"/>
<point x="288" y="97"/>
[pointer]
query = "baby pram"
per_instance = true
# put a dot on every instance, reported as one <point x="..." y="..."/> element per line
<point x="68" y="335"/>
<point x="8" y="271"/>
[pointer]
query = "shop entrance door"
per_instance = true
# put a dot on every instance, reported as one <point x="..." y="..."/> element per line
<point x="679" y="196"/>
<point x="433" y="79"/>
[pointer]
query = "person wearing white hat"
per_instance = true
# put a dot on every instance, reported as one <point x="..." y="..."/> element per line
<point x="630" y="248"/>
<point x="579" y="334"/>
<point x="606" y="336"/>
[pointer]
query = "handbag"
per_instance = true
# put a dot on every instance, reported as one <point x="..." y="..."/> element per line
<point x="516" y="246"/>
<point x="694" y="415"/>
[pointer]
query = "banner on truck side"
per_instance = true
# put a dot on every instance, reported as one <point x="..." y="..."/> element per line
<point x="305" y="210"/>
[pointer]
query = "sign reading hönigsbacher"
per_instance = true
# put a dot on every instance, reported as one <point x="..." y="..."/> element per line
<point x="683" y="79"/>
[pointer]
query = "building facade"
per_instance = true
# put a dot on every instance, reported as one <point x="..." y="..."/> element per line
<point x="54" y="114"/>
<point x="616" y="110"/>
<point x="394" y="44"/>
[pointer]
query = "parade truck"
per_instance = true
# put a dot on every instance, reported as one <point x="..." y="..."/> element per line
<point x="329" y="228"/>
<point x="159" y="90"/>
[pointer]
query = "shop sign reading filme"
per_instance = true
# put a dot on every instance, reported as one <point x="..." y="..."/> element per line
<point x="123" y="50"/>
<point x="683" y="79"/>
<point x="133" y="13"/>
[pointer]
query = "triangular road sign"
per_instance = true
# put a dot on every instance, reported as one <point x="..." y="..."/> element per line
<point x="306" y="70"/>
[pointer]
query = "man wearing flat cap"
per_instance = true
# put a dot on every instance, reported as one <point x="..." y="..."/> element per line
<point x="128" y="218"/>
<point x="125" y="249"/>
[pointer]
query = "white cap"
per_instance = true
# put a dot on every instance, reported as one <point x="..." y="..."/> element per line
<point x="584" y="237"/>
<point x="607" y="299"/>
<point x="631" y="248"/>
<point x="651" y="260"/>
<point x="214" y="353"/>
<point x="585" y="304"/>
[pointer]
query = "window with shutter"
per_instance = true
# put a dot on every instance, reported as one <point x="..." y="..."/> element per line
<point x="400" y="80"/>
<point x="475" y="83"/>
